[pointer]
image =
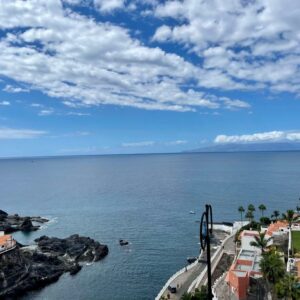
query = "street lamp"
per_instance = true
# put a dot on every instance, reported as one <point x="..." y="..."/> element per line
<point x="206" y="228"/>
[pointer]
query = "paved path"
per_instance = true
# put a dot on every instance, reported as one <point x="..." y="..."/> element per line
<point x="229" y="247"/>
<point x="184" y="281"/>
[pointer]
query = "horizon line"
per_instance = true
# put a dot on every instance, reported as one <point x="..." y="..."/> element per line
<point x="145" y="153"/>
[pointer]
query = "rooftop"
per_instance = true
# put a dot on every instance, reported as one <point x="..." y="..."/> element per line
<point x="247" y="261"/>
<point x="246" y="255"/>
<point x="240" y="274"/>
<point x="251" y="233"/>
<point x="242" y="267"/>
<point x="4" y="239"/>
<point x="276" y="226"/>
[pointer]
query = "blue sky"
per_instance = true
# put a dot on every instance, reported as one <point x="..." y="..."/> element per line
<point x="138" y="76"/>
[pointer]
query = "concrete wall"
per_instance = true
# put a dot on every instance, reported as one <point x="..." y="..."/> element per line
<point x="238" y="225"/>
<point x="223" y="227"/>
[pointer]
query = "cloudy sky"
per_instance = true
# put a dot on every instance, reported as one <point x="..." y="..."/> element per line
<point x="128" y="76"/>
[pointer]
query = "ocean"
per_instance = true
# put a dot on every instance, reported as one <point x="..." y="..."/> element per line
<point x="144" y="199"/>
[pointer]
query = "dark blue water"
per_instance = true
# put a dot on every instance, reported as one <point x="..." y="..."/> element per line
<point x="145" y="199"/>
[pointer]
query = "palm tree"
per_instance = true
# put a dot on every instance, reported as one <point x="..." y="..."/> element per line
<point x="260" y="241"/>
<point x="251" y="208"/>
<point x="276" y="214"/>
<point x="241" y="210"/>
<point x="289" y="217"/>
<point x="262" y="208"/>
<point x="287" y="287"/>
<point x="272" y="267"/>
<point x="249" y="216"/>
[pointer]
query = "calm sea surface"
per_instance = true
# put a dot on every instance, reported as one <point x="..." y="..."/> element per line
<point x="145" y="199"/>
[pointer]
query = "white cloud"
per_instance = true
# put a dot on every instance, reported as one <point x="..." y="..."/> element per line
<point x="293" y="136"/>
<point x="79" y="114"/>
<point x="139" y="144"/>
<point x="4" y="103"/>
<point x="108" y="6"/>
<point x="163" y="33"/>
<point x="271" y="136"/>
<point x="72" y="134"/>
<point x="235" y="104"/>
<point x="36" y="105"/>
<point x="87" y="150"/>
<point x="152" y="143"/>
<point x="46" y="112"/>
<point x="248" y="44"/>
<point x="177" y="142"/>
<point x="11" y="133"/>
<point x="74" y="2"/>
<point x="89" y="63"/>
<point x="14" y="89"/>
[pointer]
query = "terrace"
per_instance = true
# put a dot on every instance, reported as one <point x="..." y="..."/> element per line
<point x="245" y="266"/>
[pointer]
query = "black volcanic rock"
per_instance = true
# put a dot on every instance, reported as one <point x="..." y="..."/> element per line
<point x="28" y="268"/>
<point x="3" y="213"/>
<point x="7" y="228"/>
<point x="12" y="223"/>
<point x="76" y="247"/>
<point x="26" y="225"/>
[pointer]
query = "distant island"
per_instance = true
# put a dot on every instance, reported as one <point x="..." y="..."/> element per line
<point x="248" y="147"/>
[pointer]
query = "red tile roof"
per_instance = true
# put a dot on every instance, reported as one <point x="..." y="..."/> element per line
<point x="4" y="239"/>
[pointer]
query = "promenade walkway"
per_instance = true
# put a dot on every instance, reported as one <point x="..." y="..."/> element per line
<point x="229" y="248"/>
<point x="185" y="280"/>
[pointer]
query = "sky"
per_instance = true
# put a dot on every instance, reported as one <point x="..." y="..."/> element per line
<point x="146" y="76"/>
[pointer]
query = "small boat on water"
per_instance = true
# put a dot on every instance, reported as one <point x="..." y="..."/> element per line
<point x="190" y="260"/>
<point x="192" y="212"/>
<point x="123" y="242"/>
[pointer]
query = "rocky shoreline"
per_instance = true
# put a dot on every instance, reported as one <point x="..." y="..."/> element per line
<point x="32" y="267"/>
<point x="13" y="223"/>
<point x="27" y="268"/>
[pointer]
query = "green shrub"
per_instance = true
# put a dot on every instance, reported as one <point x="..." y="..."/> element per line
<point x="265" y="221"/>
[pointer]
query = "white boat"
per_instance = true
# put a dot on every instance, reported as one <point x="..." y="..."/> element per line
<point x="192" y="212"/>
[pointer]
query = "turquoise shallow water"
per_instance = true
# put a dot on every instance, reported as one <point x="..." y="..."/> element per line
<point x="145" y="199"/>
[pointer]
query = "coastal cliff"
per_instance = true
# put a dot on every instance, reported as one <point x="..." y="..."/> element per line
<point x="31" y="267"/>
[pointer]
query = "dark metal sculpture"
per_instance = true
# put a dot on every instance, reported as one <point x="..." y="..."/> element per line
<point x="206" y="228"/>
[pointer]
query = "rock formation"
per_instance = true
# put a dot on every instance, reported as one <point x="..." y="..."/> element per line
<point x="12" y="223"/>
<point x="32" y="267"/>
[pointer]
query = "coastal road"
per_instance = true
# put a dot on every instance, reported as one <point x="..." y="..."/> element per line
<point x="184" y="281"/>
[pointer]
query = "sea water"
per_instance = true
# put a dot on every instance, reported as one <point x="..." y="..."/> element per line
<point x="145" y="199"/>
